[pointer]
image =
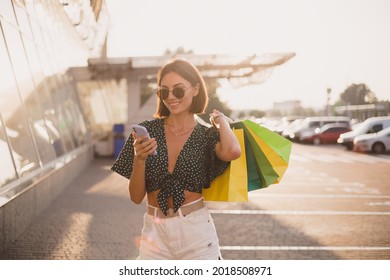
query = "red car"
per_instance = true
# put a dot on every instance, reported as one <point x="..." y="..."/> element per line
<point x="327" y="134"/>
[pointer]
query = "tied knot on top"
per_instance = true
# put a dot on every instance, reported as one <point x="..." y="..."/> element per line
<point x="170" y="186"/>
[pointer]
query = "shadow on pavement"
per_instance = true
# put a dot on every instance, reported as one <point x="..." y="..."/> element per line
<point x="94" y="219"/>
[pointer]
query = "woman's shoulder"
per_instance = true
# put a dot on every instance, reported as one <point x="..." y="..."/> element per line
<point x="207" y="130"/>
<point x="202" y="124"/>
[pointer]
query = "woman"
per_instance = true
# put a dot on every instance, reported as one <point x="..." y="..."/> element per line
<point x="177" y="225"/>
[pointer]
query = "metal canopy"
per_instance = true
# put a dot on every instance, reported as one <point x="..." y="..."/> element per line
<point x="238" y="69"/>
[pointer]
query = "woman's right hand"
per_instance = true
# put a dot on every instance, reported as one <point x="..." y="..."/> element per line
<point x="143" y="147"/>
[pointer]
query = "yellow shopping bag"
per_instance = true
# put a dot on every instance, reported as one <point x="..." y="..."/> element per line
<point x="232" y="185"/>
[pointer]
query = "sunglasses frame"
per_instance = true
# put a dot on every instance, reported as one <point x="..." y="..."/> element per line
<point x="177" y="95"/>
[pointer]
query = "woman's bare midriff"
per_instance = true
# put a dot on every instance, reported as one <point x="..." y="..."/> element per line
<point x="189" y="197"/>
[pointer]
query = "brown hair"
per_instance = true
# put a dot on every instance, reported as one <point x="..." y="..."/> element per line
<point x="190" y="73"/>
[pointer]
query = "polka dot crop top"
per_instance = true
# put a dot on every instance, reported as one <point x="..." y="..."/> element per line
<point x="196" y="167"/>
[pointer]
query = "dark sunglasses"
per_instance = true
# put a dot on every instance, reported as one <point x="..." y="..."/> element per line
<point x="178" y="92"/>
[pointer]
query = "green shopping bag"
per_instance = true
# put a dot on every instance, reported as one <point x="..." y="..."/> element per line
<point x="274" y="148"/>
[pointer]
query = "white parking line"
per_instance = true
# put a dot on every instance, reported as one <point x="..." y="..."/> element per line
<point x="330" y="158"/>
<point x="318" y="196"/>
<point x="368" y="159"/>
<point x="317" y="183"/>
<point x="283" y="212"/>
<point x="303" y="248"/>
<point x="294" y="157"/>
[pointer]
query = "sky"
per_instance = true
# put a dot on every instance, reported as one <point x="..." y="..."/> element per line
<point x="336" y="42"/>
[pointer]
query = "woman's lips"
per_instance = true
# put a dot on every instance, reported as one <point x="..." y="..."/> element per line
<point x="173" y="103"/>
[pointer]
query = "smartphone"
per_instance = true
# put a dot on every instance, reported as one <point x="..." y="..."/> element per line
<point x="140" y="130"/>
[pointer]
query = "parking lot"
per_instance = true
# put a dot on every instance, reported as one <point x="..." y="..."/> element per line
<point x="331" y="204"/>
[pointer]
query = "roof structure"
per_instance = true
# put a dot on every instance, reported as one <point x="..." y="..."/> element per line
<point x="239" y="70"/>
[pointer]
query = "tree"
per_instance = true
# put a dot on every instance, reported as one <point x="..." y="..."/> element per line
<point x="357" y="94"/>
<point x="257" y="113"/>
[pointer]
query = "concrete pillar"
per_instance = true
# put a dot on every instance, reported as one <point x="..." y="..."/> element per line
<point x="133" y="97"/>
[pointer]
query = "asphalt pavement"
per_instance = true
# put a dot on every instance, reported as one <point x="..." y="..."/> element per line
<point x="94" y="219"/>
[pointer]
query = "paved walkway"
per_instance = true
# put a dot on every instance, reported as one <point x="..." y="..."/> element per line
<point x="92" y="219"/>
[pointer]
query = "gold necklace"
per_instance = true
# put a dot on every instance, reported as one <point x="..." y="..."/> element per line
<point x="179" y="134"/>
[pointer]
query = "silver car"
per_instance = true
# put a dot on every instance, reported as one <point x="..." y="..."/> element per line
<point x="375" y="142"/>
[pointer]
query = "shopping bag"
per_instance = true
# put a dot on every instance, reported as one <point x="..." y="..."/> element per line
<point x="271" y="152"/>
<point x="252" y="171"/>
<point x="232" y="184"/>
<point x="263" y="162"/>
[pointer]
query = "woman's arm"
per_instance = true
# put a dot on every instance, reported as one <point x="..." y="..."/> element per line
<point x="142" y="149"/>
<point x="137" y="188"/>
<point x="228" y="148"/>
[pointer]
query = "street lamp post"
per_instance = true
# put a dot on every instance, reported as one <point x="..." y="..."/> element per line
<point x="328" y="111"/>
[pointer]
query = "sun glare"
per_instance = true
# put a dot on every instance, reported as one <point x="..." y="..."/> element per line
<point x="336" y="42"/>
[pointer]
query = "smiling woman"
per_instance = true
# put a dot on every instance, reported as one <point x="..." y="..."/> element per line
<point x="190" y="155"/>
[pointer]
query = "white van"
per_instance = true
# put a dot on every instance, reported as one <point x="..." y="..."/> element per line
<point x="370" y="125"/>
<point x="309" y="125"/>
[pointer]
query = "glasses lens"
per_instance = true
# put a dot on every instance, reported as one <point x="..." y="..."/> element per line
<point x="178" y="92"/>
<point x="163" y="92"/>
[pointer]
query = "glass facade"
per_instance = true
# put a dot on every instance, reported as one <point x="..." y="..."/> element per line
<point x="41" y="119"/>
<point x="104" y="103"/>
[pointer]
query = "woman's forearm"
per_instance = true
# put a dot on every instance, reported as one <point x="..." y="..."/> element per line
<point x="137" y="189"/>
<point x="228" y="148"/>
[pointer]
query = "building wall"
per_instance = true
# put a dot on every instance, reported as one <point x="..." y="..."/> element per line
<point x="24" y="208"/>
<point x="44" y="137"/>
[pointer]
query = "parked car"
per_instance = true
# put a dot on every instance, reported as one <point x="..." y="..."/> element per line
<point x="327" y="134"/>
<point x="289" y="130"/>
<point x="285" y="122"/>
<point x="371" y="125"/>
<point x="310" y="124"/>
<point x="375" y="142"/>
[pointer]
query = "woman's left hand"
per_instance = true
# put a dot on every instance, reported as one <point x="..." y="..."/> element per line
<point x="216" y="117"/>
